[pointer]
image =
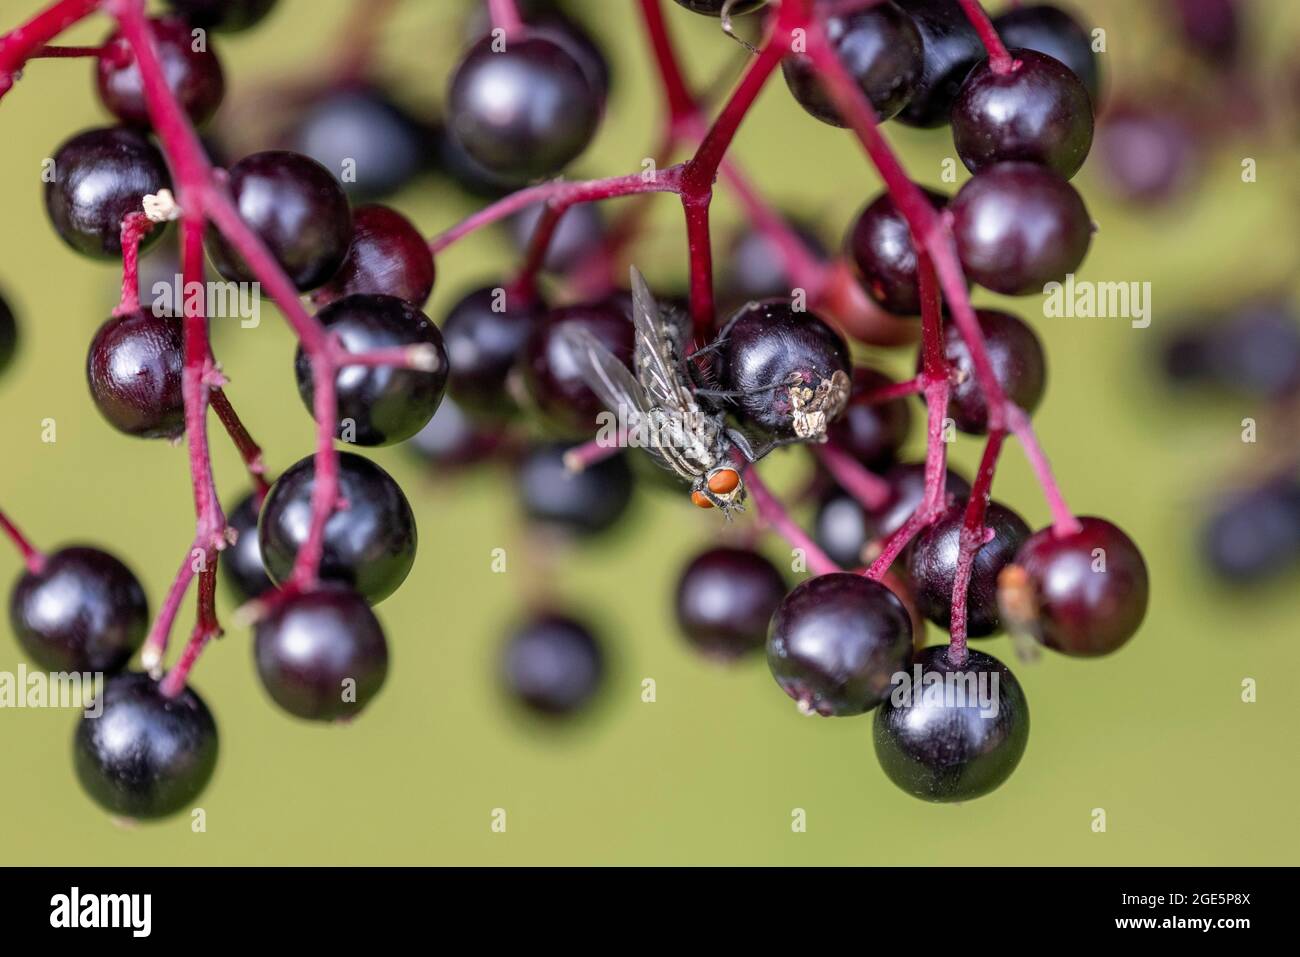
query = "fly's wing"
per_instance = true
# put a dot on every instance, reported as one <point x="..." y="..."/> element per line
<point x="604" y="374"/>
<point x="658" y="367"/>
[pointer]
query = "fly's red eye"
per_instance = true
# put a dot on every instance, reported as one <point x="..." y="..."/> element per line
<point x="700" y="499"/>
<point x="724" y="481"/>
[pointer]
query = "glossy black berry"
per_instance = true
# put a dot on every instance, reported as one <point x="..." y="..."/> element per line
<point x="950" y="47"/>
<point x="97" y="177"/>
<point x="1019" y="226"/>
<point x="370" y="143"/>
<point x="454" y="439"/>
<point x="83" y="611"/>
<point x="552" y="665"/>
<point x="775" y="360"/>
<point x="1255" y="534"/>
<point x="932" y="567"/>
<point x="906" y="490"/>
<point x="1082" y="593"/>
<point x="881" y="246"/>
<point x="872" y="432"/>
<point x="380" y="405"/>
<point x="836" y="641"/>
<point x="226" y="16"/>
<point x="880" y="47"/>
<point x="485" y="333"/>
<point x="552" y="374"/>
<point x="369" y="545"/>
<point x="467" y="173"/>
<point x="298" y="209"/>
<point x="1049" y="29"/>
<point x="842" y="528"/>
<point x="757" y="268"/>
<point x="388" y="257"/>
<point x="8" y="335"/>
<point x="1018" y="361"/>
<point x="547" y="18"/>
<point x="1035" y="112"/>
<point x="578" y="235"/>
<point x="583" y="502"/>
<point x="959" y="734"/>
<point x="241" y="564"/>
<point x="144" y="756"/>
<point x="192" y="70"/>
<point x="725" y="600"/>
<point x="134" y="371"/>
<point x="524" y="112"/>
<point x="321" y="655"/>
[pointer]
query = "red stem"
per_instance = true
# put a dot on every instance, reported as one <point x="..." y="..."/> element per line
<point x="135" y="226"/>
<point x="677" y="95"/>
<point x="205" y="629"/>
<point x="249" y="451"/>
<point x="66" y="53"/>
<point x="525" y="284"/>
<point x="970" y="540"/>
<point x="773" y="513"/>
<point x="1000" y="61"/>
<point x="21" y="43"/>
<point x="33" y="558"/>
<point x="870" y="490"/>
<point x="505" y="16"/>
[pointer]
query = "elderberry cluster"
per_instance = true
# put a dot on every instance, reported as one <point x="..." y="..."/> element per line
<point x="499" y="380"/>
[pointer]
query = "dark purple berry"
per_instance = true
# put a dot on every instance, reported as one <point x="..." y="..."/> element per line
<point x="241" y="564"/>
<point x="872" y="432"/>
<point x="226" y="16"/>
<point x="881" y="246"/>
<point x="369" y="545"/>
<point x="485" y="333"/>
<point x="836" y="641"/>
<point x="880" y="47"/>
<point x="380" y="405"/>
<point x="932" y="567"/>
<point x="321" y="654"/>
<point x="191" y="67"/>
<point x="579" y="233"/>
<point x="453" y="439"/>
<point x="1019" y="365"/>
<point x="1019" y="226"/>
<point x="298" y="209"/>
<point x="372" y="145"/>
<point x="552" y="665"/>
<point x="842" y="528"/>
<point x="388" y="257"/>
<point x="134" y="370"/>
<point x="1211" y="28"/>
<point x="1255" y="534"/>
<point x="97" y="177"/>
<point x="959" y="744"/>
<point x="1037" y="112"/>
<point x="1049" y="29"/>
<point x="906" y="490"/>
<point x="950" y="47"/>
<point x="141" y="755"/>
<point x="757" y="268"/>
<point x="725" y="600"/>
<point x="1150" y="153"/>
<point x="8" y="335"/>
<point x="546" y="18"/>
<point x="1082" y="593"/>
<point x="583" y="502"/>
<point x="1255" y="350"/>
<point x="778" y="362"/>
<point x="552" y="374"/>
<point x="83" y="611"/>
<point x="524" y="112"/>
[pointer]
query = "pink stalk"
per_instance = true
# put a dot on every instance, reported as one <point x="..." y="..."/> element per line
<point x="66" y="53"/>
<point x="249" y="451"/>
<point x="33" y="558"/>
<point x="1000" y="61"/>
<point x="525" y="284"/>
<point x="205" y="629"/>
<point x="869" y="489"/>
<point x="677" y="94"/>
<point x="773" y="513"/>
<point x="21" y="43"/>
<point x="505" y="16"/>
<point x="889" y="393"/>
<point x="970" y="540"/>
<point x="584" y="456"/>
<point x="155" y="643"/>
<point x="135" y="226"/>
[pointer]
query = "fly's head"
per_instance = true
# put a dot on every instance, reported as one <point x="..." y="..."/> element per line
<point x="721" y="487"/>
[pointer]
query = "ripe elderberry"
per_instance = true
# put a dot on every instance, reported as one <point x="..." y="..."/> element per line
<point x="321" y="655"/>
<point x="1082" y="593"/>
<point x="872" y="432"/>
<point x="1049" y="29"/>
<point x="100" y="176"/>
<point x="388" y="256"/>
<point x="579" y="234"/>
<point x="134" y="371"/>
<point x="553" y="665"/>
<point x="836" y="641"/>
<point x="82" y="611"/>
<point x="523" y="112"/>
<point x="955" y="734"/>
<point x="880" y="244"/>
<point x="1018" y="361"/>
<point x="932" y="567"/>
<point x="485" y="334"/>
<point x="380" y="405"/>
<point x="193" y="73"/>
<point x="880" y="47"/>
<point x="369" y="545"/>
<point x="1019" y="226"/>
<point x="1036" y="112"/>
<point x="583" y="502"/>
<point x="554" y="377"/>
<point x="141" y="755"/>
<point x="842" y="528"/>
<point x="241" y="564"/>
<point x="950" y="47"/>
<point x="297" y="208"/>
<point x="1255" y="534"/>
<point x="228" y="16"/>
<point x="452" y="438"/>
<point x="725" y="600"/>
<point x="757" y="269"/>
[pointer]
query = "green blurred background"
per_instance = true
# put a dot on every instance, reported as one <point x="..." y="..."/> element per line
<point x="1157" y="735"/>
